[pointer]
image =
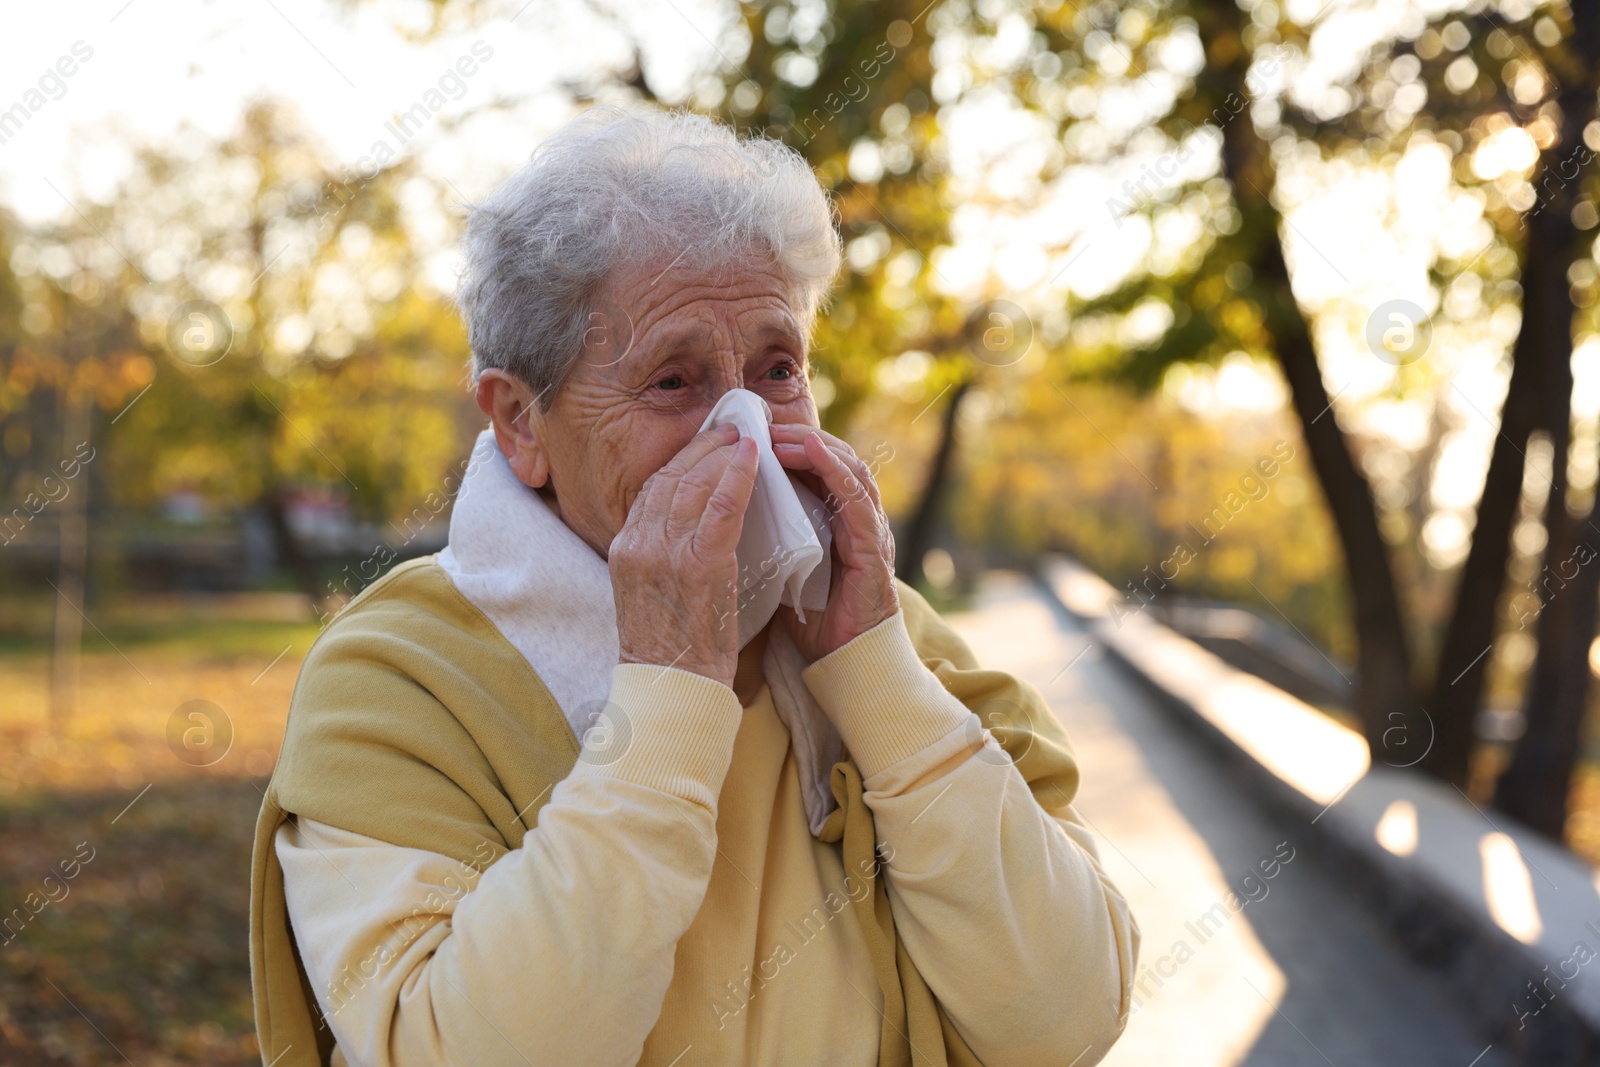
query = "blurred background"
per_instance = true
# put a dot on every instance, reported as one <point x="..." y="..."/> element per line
<point x="1277" y="315"/>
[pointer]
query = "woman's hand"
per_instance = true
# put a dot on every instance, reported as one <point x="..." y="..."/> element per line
<point x="861" y="592"/>
<point x="674" y="565"/>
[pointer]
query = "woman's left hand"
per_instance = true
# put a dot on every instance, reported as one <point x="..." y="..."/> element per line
<point x="861" y="591"/>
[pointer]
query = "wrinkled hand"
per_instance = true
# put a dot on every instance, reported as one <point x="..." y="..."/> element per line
<point x="674" y="565"/>
<point x="861" y="593"/>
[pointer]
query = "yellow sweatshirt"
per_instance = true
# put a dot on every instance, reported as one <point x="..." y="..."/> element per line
<point x="667" y="903"/>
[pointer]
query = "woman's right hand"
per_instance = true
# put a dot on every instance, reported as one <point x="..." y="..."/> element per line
<point x="674" y="566"/>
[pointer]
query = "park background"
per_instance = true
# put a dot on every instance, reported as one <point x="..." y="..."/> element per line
<point x="1281" y="306"/>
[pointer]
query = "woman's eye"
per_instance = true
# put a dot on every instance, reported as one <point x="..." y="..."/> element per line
<point x="784" y="370"/>
<point x="673" y="382"/>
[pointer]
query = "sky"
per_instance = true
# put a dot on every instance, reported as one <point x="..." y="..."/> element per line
<point x="155" y="64"/>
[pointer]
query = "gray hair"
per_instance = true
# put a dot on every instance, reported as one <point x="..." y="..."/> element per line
<point x="619" y="185"/>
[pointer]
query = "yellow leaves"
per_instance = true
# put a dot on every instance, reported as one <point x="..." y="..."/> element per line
<point x="1123" y="482"/>
<point x="138" y="370"/>
<point x="1242" y="319"/>
<point x="1209" y="290"/>
<point x="114" y="380"/>
<point x="109" y="380"/>
<point x="24" y="374"/>
<point x="1233" y="564"/>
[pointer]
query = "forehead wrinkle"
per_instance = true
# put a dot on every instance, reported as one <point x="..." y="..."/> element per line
<point x="697" y="310"/>
<point x="728" y="282"/>
<point x="703" y="326"/>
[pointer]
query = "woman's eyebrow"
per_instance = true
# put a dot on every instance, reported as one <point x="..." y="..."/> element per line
<point x="781" y="331"/>
<point x="672" y="343"/>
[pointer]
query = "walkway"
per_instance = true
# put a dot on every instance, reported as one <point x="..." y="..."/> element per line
<point x="1300" y="974"/>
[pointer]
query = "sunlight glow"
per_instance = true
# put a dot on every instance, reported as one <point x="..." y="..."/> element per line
<point x="1397" y="830"/>
<point x="1510" y="150"/>
<point x="1508" y="888"/>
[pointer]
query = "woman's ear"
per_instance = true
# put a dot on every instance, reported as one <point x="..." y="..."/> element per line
<point x="518" y="425"/>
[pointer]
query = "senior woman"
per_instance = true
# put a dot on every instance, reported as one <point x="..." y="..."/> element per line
<point x="576" y="790"/>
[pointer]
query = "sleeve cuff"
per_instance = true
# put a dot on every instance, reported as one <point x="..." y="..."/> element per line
<point x="664" y="728"/>
<point x="885" y="702"/>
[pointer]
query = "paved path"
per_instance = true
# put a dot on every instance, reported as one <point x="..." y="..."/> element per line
<point x="1301" y="974"/>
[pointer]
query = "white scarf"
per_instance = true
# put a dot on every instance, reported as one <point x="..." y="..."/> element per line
<point x="549" y="594"/>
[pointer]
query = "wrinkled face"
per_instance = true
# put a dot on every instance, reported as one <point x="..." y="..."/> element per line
<point x="666" y="342"/>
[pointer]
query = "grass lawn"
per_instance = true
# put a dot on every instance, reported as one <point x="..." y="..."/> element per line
<point x="142" y="954"/>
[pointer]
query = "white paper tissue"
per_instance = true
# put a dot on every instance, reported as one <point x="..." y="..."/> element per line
<point x="784" y="549"/>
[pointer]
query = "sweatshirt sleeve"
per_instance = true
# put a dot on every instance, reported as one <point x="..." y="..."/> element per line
<point x="1002" y="904"/>
<point x="417" y="959"/>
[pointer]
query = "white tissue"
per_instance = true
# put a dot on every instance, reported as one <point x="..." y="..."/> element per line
<point x="784" y="548"/>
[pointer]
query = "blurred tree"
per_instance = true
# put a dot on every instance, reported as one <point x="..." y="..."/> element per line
<point x="1529" y="69"/>
<point x="301" y="343"/>
<point x="1484" y="74"/>
<point x="17" y="383"/>
<point x="1384" y="697"/>
<point x="1536" y="786"/>
<point x="72" y="362"/>
<point x="1230" y="290"/>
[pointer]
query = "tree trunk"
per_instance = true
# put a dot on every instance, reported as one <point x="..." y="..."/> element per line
<point x="923" y="524"/>
<point x="1540" y="373"/>
<point x="287" y="546"/>
<point x="1536" y="786"/>
<point x="1464" y="656"/>
<point x="72" y="544"/>
<point x="1384" y="697"/>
